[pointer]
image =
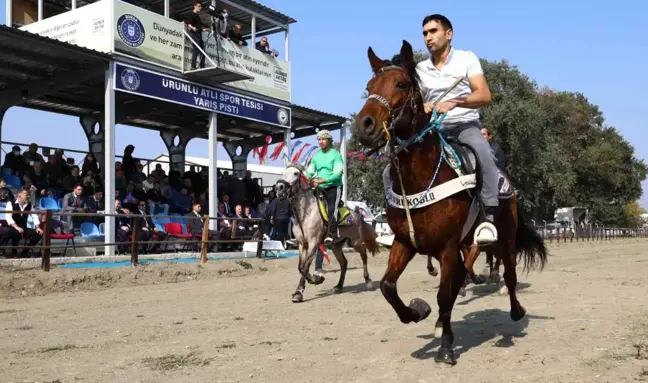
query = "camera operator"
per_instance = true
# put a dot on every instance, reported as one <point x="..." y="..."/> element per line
<point x="196" y="27"/>
<point x="221" y="23"/>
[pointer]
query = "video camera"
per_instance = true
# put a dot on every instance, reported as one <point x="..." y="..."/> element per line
<point x="219" y="19"/>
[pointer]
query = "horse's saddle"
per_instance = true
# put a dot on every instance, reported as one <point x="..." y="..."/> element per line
<point x="469" y="163"/>
<point x="344" y="213"/>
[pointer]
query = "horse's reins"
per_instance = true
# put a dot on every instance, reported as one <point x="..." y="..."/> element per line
<point x="394" y="155"/>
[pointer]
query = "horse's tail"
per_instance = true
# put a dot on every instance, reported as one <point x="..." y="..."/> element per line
<point x="529" y="243"/>
<point x="367" y="235"/>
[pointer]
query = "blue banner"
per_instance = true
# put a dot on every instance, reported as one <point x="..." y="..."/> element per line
<point x="163" y="87"/>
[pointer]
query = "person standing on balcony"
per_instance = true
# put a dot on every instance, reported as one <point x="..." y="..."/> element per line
<point x="196" y="27"/>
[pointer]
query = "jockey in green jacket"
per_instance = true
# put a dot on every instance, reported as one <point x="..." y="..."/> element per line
<point x="327" y="166"/>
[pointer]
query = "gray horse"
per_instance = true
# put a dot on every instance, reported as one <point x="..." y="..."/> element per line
<point x="310" y="229"/>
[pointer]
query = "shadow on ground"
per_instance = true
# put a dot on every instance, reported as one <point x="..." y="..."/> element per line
<point x="480" y="291"/>
<point x="478" y="328"/>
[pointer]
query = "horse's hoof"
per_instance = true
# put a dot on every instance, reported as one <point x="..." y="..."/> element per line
<point x="433" y="272"/>
<point x="518" y="314"/>
<point x="337" y="290"/>
<point x="503" y="291"/>
<point x="369" y="284"/>
<point x="462" y="291"/>
<point x="420" y="308"/>
<point x="317" y="279"/>
<point x="297" y="297"/>
<point x="445" y="355"/>
<point x="479" y="280"/>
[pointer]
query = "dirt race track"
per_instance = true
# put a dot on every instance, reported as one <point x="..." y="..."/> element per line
<point x="587" y="321"/>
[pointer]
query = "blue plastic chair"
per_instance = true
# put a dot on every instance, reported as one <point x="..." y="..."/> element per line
<point x="102" y="227"/>
<point x="47" y="203"/>
<point x="6" y="172"/>
<point x="13" y="181"/>
<point x="90" y="230"/>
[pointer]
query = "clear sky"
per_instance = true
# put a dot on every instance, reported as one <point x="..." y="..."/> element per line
<point x="587" y="46"/>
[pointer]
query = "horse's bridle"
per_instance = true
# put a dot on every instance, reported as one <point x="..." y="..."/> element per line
<point x="293" y="188"/>
<point x="395" y="113"/>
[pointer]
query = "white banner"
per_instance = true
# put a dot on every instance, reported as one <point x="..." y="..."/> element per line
<point x="85" y="26"/>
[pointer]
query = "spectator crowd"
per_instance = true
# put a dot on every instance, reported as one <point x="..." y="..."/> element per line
<point x="27" y="178"/>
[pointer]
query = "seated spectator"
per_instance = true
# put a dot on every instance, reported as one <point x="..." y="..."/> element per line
<point x="236" y="36"/>
<point x="195" y="223"/>
<point x="74" y="203"/>
<point x="37" y="177"/>
<point x="54" y="172"/>
<point x="90" y="164"/>
<point x="5" y="192"/>
<point x="130" y="200"/>
<point x="156" y="201"/>
<point x="88" y="185"/>
<point x="227" y="209"/>
<point x="148" y="230"/>
<point x="224" y="226"/>
<point x="122" y="228"/>
<point x="120" y="180"/>
<point x="31" y="156"/>
<point x="243" y="228"/>
<point x="95" y="204"/>
<point x="148" y="183"/>
<point x="14" y="161"/>
<point x="25" y="226"/>
<point x="158" y="173"/>
<point x="182" y="202"/>
<point x="70" y="181"/>
<point x="264" y="46"/>
<point x="248" y="213"/>
<point x="6" y="232"/>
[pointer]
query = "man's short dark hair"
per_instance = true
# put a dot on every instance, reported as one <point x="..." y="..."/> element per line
<point x="444" y="21"/>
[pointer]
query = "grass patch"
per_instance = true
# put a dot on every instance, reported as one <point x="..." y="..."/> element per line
<point x="175" y="362"/>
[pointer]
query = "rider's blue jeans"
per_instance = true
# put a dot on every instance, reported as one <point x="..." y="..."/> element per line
<point x="319" y="259"/>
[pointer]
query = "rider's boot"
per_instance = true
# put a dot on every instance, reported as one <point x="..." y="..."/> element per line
<point x="332" y="232"/>
<point x="486" y="233"/>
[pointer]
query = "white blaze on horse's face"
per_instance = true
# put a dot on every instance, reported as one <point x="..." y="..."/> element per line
<point x="289" y="180"/>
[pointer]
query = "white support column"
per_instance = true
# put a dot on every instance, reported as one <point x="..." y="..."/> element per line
<point x="345" y="175"/>
<point x="40" y="10"/>
<point x="287" y="146"/>
<point x="213" y="174"/>
<point x="9" y="13"/>
<point x="287" y="44"/>
<point x="74" y="5"/>
<point x="109" y="159"/>
<point x="253" y="31"/>
<point x="166" y="8"/>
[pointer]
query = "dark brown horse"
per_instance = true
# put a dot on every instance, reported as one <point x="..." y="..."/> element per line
<point x="394" y="114"/>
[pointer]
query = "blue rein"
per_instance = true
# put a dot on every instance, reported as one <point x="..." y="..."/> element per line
<point x="434" y="125"/>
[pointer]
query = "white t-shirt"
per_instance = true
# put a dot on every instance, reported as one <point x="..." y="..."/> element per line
<point x="434" y="82"/>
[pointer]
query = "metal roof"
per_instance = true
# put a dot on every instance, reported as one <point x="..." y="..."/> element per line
<point x="62" y="78"/>
<point x="266" y="18"/>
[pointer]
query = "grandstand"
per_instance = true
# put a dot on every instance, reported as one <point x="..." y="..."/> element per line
<point x="111" y="62"/>
<point x="268" y="175"/>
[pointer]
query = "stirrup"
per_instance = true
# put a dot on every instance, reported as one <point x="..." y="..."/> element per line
<point x="328" y="240"/>
<point x="485" y="234"/>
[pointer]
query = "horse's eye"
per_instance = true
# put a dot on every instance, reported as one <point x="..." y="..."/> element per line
<point x="296" y="173"/>
<point x="401" y="85"/>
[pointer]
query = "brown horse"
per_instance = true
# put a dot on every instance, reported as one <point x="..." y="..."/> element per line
<point x="438" y="224"/>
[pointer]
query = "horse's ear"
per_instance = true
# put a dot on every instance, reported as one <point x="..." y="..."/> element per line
<point x="374" y="61"/>
<point x="407" y="55"/>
